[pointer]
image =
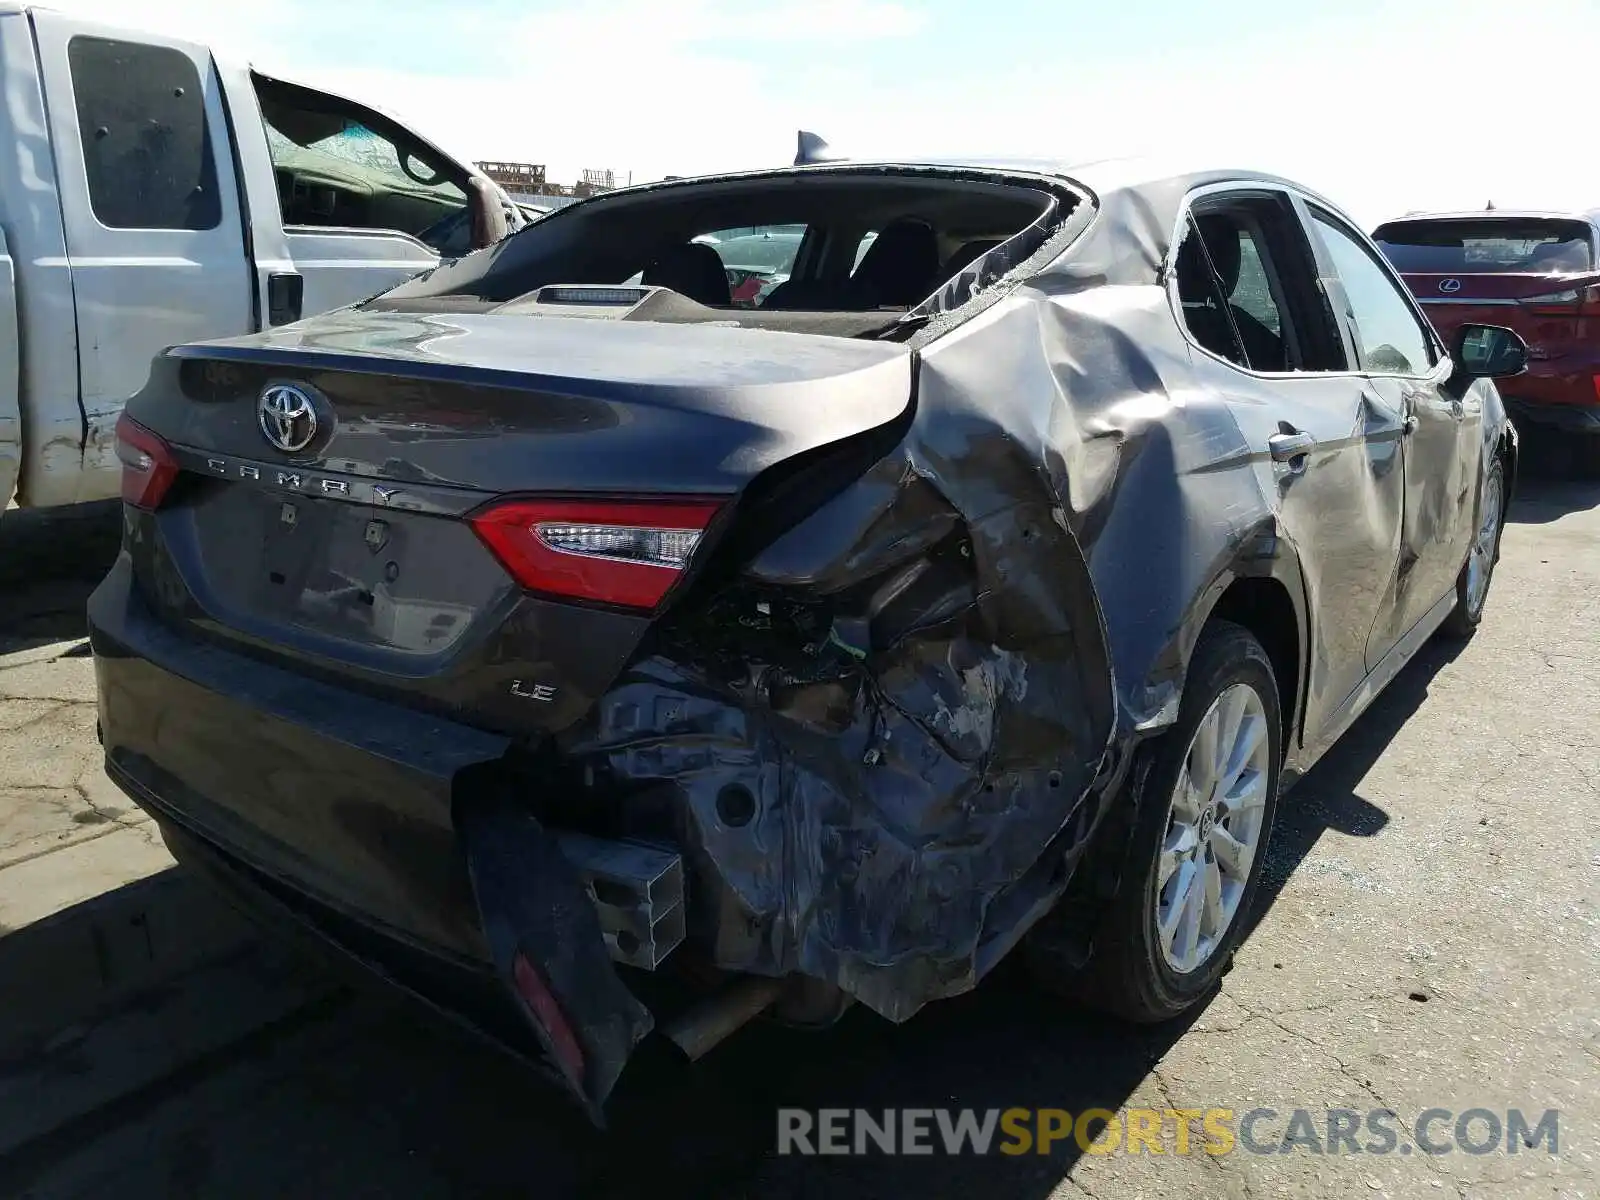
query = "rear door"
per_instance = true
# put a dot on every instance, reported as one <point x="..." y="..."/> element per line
<point x="150" y="208"/>
<point x="1266" y="343"/>
<point x="1404" y="364"/>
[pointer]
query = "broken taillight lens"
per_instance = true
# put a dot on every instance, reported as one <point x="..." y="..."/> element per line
<point x="148" y="464"/>
<point x="627" y="553"/>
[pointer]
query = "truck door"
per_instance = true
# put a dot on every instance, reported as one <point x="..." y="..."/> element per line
<point x="345" y="202"/>
<point x="150" y="209"/>
<point x="10" y="379"/>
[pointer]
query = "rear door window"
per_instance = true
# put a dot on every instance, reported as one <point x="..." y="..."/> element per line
<point x="1391" y="339"/>
<point x="1246" y="286"/>
<point x="146" y="148"/>
<point x="1254" y="290"/>
<point x="1487" y="246"/>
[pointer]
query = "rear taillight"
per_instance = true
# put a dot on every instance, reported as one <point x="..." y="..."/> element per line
<point x="627" y="553"/>
<point x="148" y="464"/>
<point x="1574" y="302"/>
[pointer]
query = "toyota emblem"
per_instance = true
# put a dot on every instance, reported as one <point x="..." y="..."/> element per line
<point x="288" y="417"/>
<point x="1449" y="286"/>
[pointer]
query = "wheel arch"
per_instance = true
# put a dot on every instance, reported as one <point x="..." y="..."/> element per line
<point x="1263" y="590"/>
<point x="1508" y="451"/>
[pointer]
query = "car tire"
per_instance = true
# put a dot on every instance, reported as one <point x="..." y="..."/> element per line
<point x="1472" y="589"/>
<point x="1133" y="971"/>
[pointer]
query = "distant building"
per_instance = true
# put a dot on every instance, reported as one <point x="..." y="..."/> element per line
<point x="515" y="176"/>
<point x="527" y="182"/>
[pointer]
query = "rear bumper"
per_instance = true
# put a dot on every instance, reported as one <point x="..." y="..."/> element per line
<point x="346" y="798"/>
<point x="1566" y="418"/>
<point x="335" y="813"/>
<point x="1556" y="392"/>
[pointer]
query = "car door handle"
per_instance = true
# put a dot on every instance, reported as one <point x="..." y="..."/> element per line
<point x="1408" y="426"/>
<point x="1286" y="447"/>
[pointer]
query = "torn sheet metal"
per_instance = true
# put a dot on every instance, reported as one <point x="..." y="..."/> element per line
<point x="879" y="739"/>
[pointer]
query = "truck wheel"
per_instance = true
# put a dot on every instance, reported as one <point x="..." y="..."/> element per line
<point x="1203" y="810"/>
<point x="1472" y="585"/>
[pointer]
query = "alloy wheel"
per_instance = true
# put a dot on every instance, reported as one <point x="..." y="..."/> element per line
<point x="1214" y="828"/>
<point x="1480" y="559"/>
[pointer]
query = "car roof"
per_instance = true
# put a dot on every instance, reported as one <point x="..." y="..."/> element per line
<point x="1591" y="217"/>
<point x="1134" y="173"/>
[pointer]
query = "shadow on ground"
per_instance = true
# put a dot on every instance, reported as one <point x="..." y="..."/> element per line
<point x="1556" y="476"/>
<point x="1540" y="500"/>
<point x="363" y="1095"/>
<point x="49" y="563"/>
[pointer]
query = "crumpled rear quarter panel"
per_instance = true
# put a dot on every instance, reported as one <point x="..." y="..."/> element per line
<point x="879" y="739"/>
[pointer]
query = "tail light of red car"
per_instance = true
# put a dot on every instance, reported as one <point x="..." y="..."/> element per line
<point x="148" y="464"/>
<point x="1575" y="302"/>
<point x="623" y="552"/>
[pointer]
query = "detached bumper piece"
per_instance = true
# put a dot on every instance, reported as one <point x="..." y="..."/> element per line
<point x="548" y="944"/>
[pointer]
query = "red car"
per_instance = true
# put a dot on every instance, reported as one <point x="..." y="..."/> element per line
<point x="1532" y="271"/>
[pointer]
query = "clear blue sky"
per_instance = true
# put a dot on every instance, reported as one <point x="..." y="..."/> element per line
<point x="1385" y="106"/>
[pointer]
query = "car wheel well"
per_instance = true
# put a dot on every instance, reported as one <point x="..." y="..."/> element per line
<point x="1264" y="607"/>
<point x="1506" y="452"/>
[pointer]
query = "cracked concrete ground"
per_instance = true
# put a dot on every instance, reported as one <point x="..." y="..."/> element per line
<point x="66" y="834"/>
<point x="1428" y="937"/>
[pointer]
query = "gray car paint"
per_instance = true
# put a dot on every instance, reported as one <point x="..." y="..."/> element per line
<point x="1075" y="489"/>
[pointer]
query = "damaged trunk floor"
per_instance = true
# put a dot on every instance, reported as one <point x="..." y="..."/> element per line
<point x="1471" y="768"/>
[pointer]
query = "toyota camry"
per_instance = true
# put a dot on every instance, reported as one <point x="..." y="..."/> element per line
<point x="591" y="655"/>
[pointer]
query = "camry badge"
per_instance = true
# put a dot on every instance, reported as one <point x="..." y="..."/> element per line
<point x="287" y="417"/>
<point x="1449" y="286"/>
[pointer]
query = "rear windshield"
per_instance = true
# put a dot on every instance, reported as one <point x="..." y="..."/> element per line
<point x="854" y="252"/>
<point x="1487" y="246"/>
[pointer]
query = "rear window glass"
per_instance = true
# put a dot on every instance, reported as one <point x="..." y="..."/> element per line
<point x="1487" y="246"/>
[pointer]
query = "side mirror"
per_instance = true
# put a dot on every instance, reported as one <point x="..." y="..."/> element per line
<point x="487" y="214"/>
<point x="1490" y="352"/>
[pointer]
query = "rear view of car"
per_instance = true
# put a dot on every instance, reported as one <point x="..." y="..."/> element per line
<point x="592" y="654"/>
<point x="1537" y="274"/>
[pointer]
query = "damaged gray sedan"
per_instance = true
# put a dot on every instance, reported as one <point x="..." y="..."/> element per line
<point x="589" y="654"/>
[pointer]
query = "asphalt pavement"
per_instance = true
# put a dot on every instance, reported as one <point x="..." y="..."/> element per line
<point x="1428" y="939"/>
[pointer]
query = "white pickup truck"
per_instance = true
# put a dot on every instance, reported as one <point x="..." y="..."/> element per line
<point x="152" y="193"/>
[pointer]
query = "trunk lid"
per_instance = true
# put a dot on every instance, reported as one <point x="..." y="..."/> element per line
<point x="1552" y="313"/>
<point x="354" y="555"/>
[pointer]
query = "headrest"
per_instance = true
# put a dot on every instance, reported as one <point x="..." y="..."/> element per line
<point x="902" y="264"/>
<point x="694" y="270"/>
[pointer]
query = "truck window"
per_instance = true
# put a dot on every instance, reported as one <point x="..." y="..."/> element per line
<point x="339" y="165"/>
<point x="146" y="148"/>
